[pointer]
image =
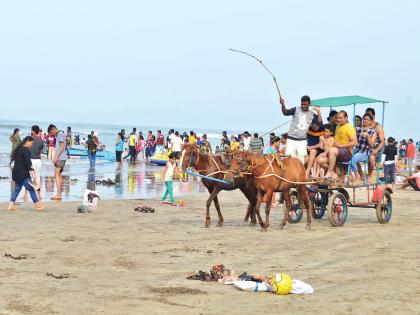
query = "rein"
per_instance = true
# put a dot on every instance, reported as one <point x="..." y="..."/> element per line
<point x="270" y="165"/>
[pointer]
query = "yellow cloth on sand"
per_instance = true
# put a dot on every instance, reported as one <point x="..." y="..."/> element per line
<point x="343" y="133"/>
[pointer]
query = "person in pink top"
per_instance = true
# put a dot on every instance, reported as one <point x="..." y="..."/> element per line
<point x="50" y="141"/>
<point x="411" y="153"/>
<point x="413" y="180"/>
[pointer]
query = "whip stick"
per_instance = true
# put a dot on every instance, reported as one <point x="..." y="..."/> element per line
<point x="262" y="64"/>
<point x="274" y="79"/>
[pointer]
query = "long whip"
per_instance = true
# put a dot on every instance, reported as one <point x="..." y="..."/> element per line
<point x="274" y="79"/>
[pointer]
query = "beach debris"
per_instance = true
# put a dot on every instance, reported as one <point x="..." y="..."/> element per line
<point x="216" y="272"/>
<point x="90" y="201"/>
<point x="144" y="209"/>
<point x="74" y="180"/>
<point x="59" y="276"/>
<point x="108" y="181"/>
<point x="19" y="257"/>
<point x="280" y="283"/>
<point x="83" y="209"/>
<point x="4" y="177"/>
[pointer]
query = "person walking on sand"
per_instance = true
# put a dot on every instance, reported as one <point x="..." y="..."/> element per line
<point x="60" y="158"/>
<point x="15" y="139"/>
<point x="302" y="119"/>
<point x="35" y="150"/>
<point x="21" y="173"/>
<point x="391" y="161"/>
<point x="168" y="174"/>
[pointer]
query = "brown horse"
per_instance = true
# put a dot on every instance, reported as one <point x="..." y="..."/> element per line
<point x="273" y="175"/>
<point x="215" y="166"/>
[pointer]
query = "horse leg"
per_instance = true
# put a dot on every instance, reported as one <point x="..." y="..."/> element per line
<point x="217" y="205"/>
<point x="208" y="203"/>
<point x="287" y="208"/>
<point x="257" y="210"/>
<point x="308" y="204"/>
<point x="268" y="197"/>
<point x="250" y="211"/>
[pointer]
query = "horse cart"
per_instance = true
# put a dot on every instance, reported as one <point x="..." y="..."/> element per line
<point x="334" y="198"/>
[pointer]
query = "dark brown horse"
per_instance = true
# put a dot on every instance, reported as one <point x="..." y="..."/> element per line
<point x="273" y="175"/>
<point x="215" y="166"/>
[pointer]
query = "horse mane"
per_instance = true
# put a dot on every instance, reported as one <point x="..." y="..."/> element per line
<point x="255" y="158"/>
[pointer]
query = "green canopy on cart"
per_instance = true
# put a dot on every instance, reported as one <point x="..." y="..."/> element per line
<point x="344" y="101"/>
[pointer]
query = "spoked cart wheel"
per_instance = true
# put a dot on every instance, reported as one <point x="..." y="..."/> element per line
<point x="320" y="202"/>
<point x="384" y="208"/>
<point x="337" y="209"/>
<point x="296" y="213"/>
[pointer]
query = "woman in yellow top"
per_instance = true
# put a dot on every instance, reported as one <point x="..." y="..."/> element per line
<point x="234" y="144"/>
<point x="192" y="139"/>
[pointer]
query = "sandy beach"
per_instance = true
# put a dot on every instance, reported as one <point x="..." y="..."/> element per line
<point x="118" y="261"/>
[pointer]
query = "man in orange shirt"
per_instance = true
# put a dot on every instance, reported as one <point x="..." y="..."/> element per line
<point x="411" y="152"/>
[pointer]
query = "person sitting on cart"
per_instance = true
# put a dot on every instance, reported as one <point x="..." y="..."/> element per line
<point x="344" y="141"/>
<point x="332" y="119"/>
<point x="326" y="142"/>
<point x="314" y="145"/>
<point x="379" y="143"/>
<point x="413" y="180"/>
<point x="366" y="137"/>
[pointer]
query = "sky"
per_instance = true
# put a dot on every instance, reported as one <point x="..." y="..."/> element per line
<point x="167" y="63"/>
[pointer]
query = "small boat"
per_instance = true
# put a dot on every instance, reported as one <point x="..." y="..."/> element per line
<point x="101" y="155"/>
<point x="159" y="159"/>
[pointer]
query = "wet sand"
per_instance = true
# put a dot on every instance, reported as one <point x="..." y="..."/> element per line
<point x="143" y="180"/>
<point x="119" y="261"/>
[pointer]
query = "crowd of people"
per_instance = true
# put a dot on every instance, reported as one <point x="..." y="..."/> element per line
<point x="332" y="149"/>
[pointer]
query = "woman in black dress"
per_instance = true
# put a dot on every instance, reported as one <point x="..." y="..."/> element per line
<point x="21" y="172"/>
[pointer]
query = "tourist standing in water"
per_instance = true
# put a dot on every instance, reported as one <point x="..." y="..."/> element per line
<point x="119" y="148"/>
<point x="21" y="172"/>
<point x="69" y="141"/>
<point x="132" y="142"/>
<point x="50" y="141"/>
<point x="60" y="158"/>
<point x="15" y="139"/>
<point x="91" y="147"/>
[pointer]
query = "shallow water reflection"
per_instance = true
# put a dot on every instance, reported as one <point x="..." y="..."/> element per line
<point x="133" y="181"/>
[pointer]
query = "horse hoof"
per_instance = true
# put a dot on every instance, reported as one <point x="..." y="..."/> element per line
<point x="219" y="224"/>
<point x="281" y="226"/>
<point x="308" y="227"/>
<point x="252" y="223"/>
<point x="263" y="229"/>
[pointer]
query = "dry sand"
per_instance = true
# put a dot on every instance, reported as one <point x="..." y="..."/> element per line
<point x="119" y="261"/>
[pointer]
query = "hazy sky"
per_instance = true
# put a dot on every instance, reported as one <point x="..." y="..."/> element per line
<point x="167" y="63"/>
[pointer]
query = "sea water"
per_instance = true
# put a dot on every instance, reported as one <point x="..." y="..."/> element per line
<point x="142" y="180"/>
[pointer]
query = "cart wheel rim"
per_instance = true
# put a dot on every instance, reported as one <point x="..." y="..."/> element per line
<point x="295" y="211"/>
<point x="386" y="207"/>
<point x="339" y="210"/>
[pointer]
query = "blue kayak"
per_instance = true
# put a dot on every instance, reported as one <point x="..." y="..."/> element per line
<point x="102" y="155"/>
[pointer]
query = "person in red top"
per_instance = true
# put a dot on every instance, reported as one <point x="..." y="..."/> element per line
<point x="50" y="141"/>
<point x="411" y="153"/>
<point x="160" y="141"/>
